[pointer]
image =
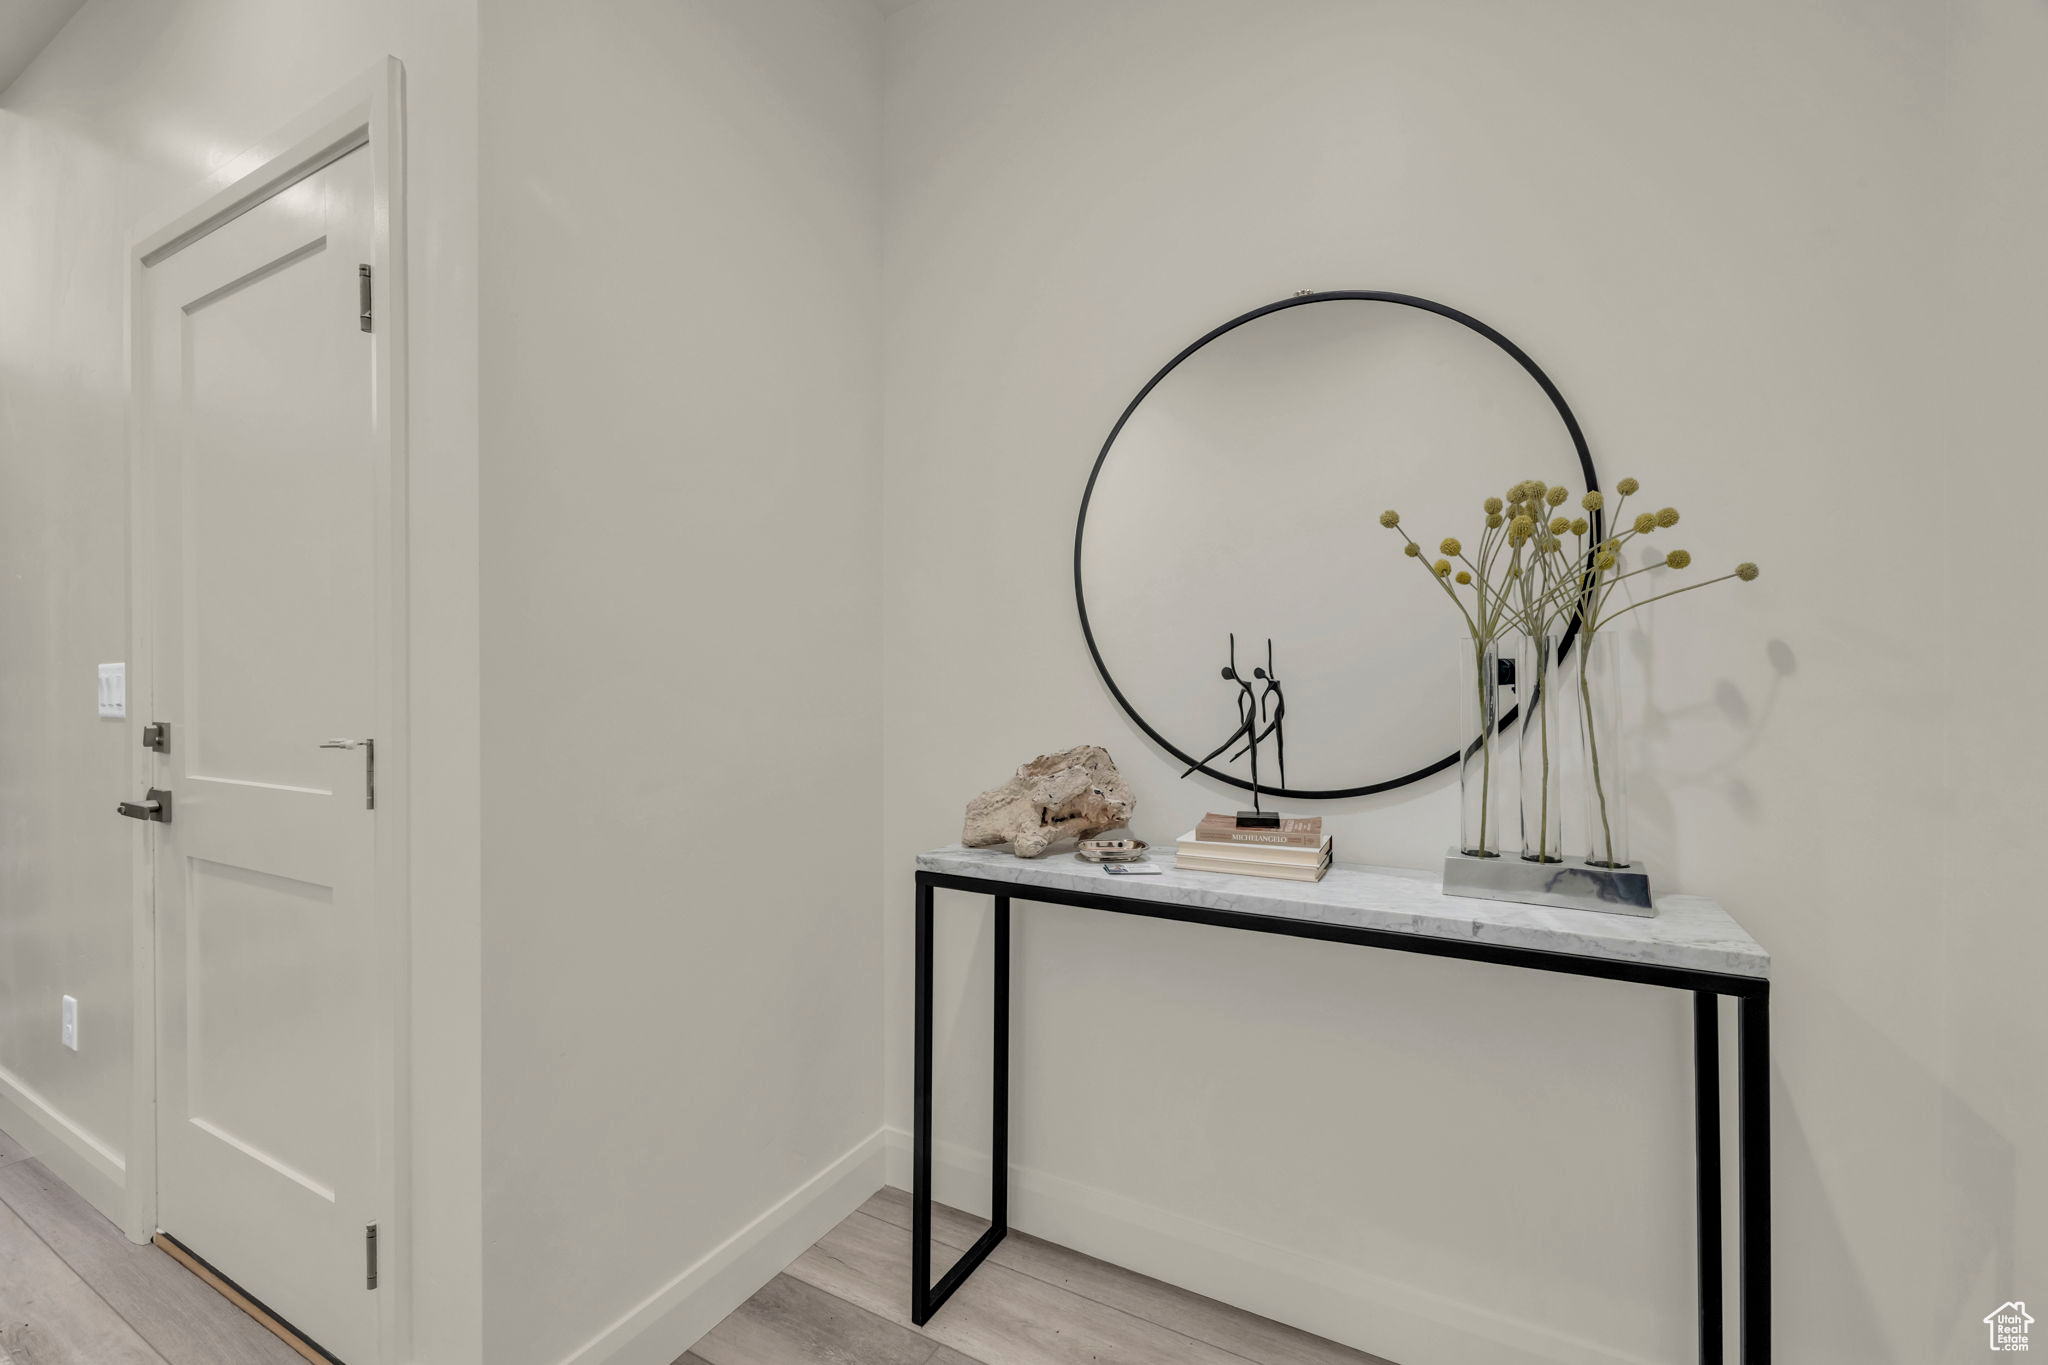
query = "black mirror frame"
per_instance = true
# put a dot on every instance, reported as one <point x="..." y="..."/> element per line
<point x="1520" y="357"/>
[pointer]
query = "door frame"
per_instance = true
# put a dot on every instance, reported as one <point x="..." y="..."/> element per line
<point x="368" y="113"/>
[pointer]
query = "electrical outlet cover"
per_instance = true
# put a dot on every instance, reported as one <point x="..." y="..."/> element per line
<point x="70" y="1025"/>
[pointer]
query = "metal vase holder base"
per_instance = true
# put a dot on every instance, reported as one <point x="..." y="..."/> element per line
<point x="1573" y="884"/>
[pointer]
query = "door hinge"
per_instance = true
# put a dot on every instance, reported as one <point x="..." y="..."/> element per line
<point x="363" y="294"/>
<point x="370" y="1257"/>
<point x="157" y="735"/>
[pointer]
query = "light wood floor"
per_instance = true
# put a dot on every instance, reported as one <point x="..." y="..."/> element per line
<point x="846" y="1301"/>
<point x="74" y="1291"/>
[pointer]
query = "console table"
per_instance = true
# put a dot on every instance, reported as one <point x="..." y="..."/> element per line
<point x="1690" y="944"/>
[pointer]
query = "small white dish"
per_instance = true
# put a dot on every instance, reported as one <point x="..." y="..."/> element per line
<point x="1134" y="854"/>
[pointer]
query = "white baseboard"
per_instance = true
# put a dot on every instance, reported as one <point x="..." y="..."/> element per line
<point x="67" y="1147"/>
<point x="669" y="1321"/>
<point x="1343" y="1303"/>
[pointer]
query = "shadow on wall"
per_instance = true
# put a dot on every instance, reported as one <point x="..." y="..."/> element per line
<point x="1976" y="1189"/>
<point x="1746" y="724"/>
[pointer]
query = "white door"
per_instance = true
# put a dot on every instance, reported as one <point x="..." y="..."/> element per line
<point x="258" y="452"/>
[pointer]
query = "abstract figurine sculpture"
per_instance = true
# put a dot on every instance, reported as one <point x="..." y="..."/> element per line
<point x="1268" y="708"/>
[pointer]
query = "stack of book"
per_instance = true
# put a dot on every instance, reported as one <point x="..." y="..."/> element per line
<point x="1296" y="851"/>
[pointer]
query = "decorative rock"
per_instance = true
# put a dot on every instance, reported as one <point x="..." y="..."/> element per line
<point x="1075" y="794"/>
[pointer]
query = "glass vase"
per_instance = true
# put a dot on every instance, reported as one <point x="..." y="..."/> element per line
<point x="1480" y="775"/>
<point x="1602" y="742"/>
<point x="1542" y="741"/>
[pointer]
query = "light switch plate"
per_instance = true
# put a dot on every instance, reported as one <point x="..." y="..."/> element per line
<point x="69" y="1035"/>
<point x="114" y="691"/>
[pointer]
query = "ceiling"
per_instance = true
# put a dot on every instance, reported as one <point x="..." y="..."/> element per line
<point x="26" y="27"/>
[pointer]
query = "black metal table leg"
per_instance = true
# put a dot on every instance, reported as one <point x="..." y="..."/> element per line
<point x="926" y="1297"/>
<point x="1706" y="1074"/>
<point x="999" y="1106"/>
<point x="921" y="1120"/>
<point x="1753" y="1115"/>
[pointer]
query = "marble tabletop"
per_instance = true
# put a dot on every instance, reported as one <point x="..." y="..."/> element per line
<point x="1688" y="932"/>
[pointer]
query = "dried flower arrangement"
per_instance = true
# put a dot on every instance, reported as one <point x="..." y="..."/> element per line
<point x="1486" y="619"/>
<point x="1525" y="577"/>
<point x="1603" y="574"/>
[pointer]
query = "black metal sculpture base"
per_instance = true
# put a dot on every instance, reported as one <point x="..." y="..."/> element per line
<point x="1258" y="819"/>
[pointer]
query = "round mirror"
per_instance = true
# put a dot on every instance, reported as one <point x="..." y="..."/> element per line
<point x="1240" y="493"/>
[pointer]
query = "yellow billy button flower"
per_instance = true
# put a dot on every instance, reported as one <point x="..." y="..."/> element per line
<point x="1493" y="506"/>
<point x="1556" y="496"/>
<point x="1520" y="529"/>
<point x="1493" y="519"/>
<point x="1464" y="576"/>
<point x="1559" y="525"/>
<point x="1443" y="568"/>
<point x="1593" y="501"/>
<point x="1627" y="488"/>
<point x="1646" y="523"/>
<point x="1678" y="559"/>
<point x="1450" y="545"/>
<point x="1390" y="518"/>
<point x="1412" y="550"/>
<point x="1580" y="526"/>
<point x="1746" y="572"/>
<point x="1667" y="516"/>
<point x="1604" y="560"/>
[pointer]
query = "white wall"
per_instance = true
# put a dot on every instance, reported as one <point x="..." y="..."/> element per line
<point x="133" y="112"/>
<point x="1778" y="257"/>
<point x="681" y="531"/>
<point x="1992" y="1173"/>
